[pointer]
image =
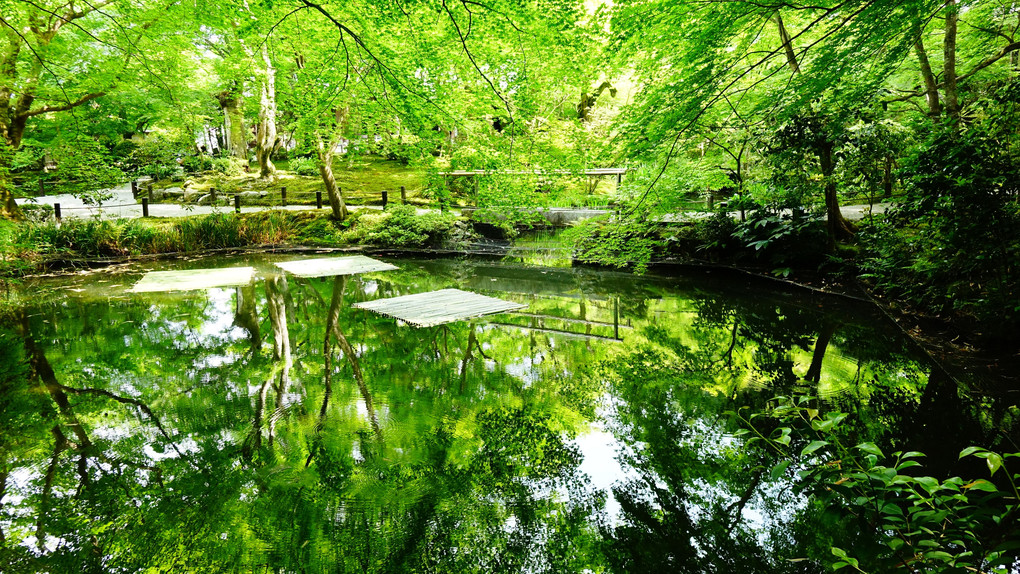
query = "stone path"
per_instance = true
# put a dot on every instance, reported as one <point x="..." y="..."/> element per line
<point x="123" y="205"/>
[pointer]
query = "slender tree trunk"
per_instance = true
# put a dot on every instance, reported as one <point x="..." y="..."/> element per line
<point x="931" y="90"/>
<point x="265" y="137"/>
<point x="887" y="179"/>
<point x="246" y="316"/>
<point x="839" y="228"/>
<point x="339" y="285"/>
<point x="324" y="154"/>
<point x="949" y="62"/>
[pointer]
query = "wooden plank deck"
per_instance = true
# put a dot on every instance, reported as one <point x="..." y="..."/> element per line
<point x="193" y="279"/>
<point x="332" y="266"/>
<point x="439" y="307"/>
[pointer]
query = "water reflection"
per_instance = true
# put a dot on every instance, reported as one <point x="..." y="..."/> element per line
<point x="274" y="428"/>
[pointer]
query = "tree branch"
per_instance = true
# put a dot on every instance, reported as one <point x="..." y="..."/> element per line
<point x="65" y="107"/>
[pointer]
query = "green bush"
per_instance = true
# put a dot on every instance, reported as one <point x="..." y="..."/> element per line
<point x="104" y="238"/>
<point x="400" y="226"/>
<point x="196" y="163"/>
<point x="304" y="166"/>
<point x="629" y="243"/>
<point x="229" y="166"/>
<point x="952" y="246"/>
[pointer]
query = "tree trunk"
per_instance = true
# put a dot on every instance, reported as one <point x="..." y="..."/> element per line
<point x="931" y="90"/>
<point x="949" y="62"/>
<point x="265" y="137"/>
<point x="233" y="123"/>
<point x="246" y="316"/>
<point x="8" y="207"/>
<point x="839" y="228"/>
<point x="887" y="179"/>
<point x="324" y="154"/>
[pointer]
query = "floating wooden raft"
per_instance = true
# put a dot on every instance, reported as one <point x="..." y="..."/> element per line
<point x="332" y="266"/>
<point x="191" y="279"/>
<point x="438" y="307"/>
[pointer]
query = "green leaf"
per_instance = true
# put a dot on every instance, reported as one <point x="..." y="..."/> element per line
<point x="994" y="462"/>
<point x="981" y="485"/>
<point x="939" y="555"/>
<point x="870" y="448"/>
<point x="779" y="469"/>
<point x="928" y="483"/>
<point x="970" y="450"/>
<point x="815" y="445"/>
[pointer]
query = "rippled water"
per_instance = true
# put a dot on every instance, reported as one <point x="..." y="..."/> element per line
<point x="225" y="429"/>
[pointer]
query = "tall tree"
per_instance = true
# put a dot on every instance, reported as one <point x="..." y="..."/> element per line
<point x="39" y="44"/>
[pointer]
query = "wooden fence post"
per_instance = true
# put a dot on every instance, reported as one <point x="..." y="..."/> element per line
<point x="403" y="195"/>
<point x="237" y="204"/>
<point x="56" y="211"/>
<point x="385" y="199"/>
<point x="318" y="200"/>
<point x="145" y="207"/>
<point x="283" y="196"/>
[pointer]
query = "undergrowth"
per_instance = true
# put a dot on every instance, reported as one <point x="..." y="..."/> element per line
<point x="24" y="246"/>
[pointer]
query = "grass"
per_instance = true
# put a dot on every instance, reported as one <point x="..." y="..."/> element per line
<point x="361" y="179"/>
<point x="25" y="247"/>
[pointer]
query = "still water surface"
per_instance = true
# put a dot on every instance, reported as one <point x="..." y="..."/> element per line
<point x="274" y="428"/>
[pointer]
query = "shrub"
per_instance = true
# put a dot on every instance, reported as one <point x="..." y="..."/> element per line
<point x="196" y="163"/>
<point x="628" y="243"/>
<point x="400" y="226"/>
<point x="304" y="166"/>
<point x="953" y="244"/>
<point x="229" y="166"/>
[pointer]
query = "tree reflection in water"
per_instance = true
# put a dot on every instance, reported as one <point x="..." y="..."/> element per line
<point x="274" y="428"/>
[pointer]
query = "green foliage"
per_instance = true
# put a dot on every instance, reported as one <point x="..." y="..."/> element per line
<point x="304" y="166"/>
<point x="400" y="226"/>
<point x="103" y="238"/>
<point x="953" y="244"/>
<point x="682" y="185"/>
<point x="85" y="170"/>
<point x="935" y="525"/>
<point x="631" y="243"/>
<point x="709" y="238"/>
<point x="160" y="155"/>
<point x="783" y="238"/>
<point x="197" y="163"/>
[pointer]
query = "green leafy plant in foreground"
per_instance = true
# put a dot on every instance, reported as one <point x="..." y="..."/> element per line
<point x="920" y="523"/>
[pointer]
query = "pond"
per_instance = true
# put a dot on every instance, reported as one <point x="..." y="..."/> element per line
<point x="273" y="427"/>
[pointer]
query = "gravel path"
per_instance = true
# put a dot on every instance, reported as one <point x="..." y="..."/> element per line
<point x="123" y="205"/>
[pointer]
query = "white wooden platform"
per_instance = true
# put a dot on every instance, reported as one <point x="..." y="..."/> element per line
<point x="439" y="307"/>
<point x="332" y="266"/>
<point x="192" y="279"/>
